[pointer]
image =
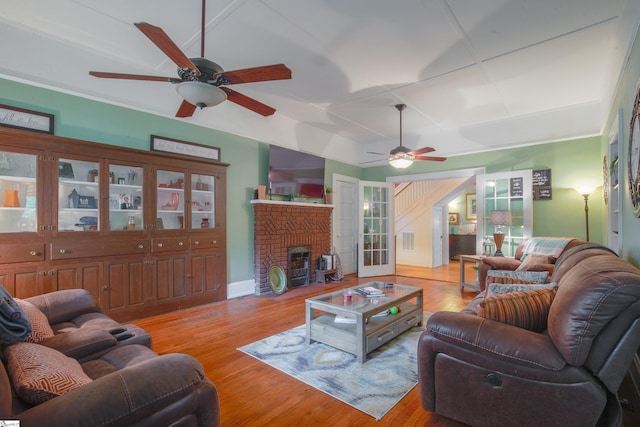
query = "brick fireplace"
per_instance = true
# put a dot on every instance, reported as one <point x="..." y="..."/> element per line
<point x="279" y="226"/>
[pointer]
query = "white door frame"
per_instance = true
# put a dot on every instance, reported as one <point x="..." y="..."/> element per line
<point x="349" y="265"/>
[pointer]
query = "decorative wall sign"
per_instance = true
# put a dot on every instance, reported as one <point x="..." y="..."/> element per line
<point x="516" y="187"/>
<point x="20" y="118"/>
<point x="541" y="181"/>
<point x="183" y="148"/>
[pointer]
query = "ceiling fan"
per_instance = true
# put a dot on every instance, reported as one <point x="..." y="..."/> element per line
<point x="402" y="157"/>
<point x="202" y="83"/>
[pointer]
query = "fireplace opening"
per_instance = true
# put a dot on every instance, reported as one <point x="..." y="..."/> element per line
<point x="298" y="270"/>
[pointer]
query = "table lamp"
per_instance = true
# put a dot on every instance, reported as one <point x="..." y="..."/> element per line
<point x="499" y="218"/>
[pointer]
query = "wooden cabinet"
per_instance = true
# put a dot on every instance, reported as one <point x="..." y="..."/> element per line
<point x="143" y="232"/>
<point x="461" y="244"/>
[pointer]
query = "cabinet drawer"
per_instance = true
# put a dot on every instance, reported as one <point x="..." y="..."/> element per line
<point x="97" y="248"/>
<point x="203" y="242"/>
<point x="169" y="244"/>
<point x="21" y="252"/>
<point x="382" y="336"/>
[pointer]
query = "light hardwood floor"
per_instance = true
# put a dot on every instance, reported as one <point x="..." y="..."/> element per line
<point x="254" y="394"/>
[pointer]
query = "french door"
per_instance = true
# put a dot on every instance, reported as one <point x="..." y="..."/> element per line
<point x="376" y="244"/>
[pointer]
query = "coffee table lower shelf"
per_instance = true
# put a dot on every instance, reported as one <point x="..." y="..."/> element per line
<point x="377" y="331"/>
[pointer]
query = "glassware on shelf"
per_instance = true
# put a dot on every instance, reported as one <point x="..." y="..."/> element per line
<point x="204" y="223"/>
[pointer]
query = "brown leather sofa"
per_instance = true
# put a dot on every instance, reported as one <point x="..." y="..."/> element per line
<point x="487" y="373"/>
<point x="129" y="384"/>
<point x="508" y="263"/>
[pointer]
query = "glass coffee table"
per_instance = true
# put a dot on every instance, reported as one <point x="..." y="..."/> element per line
<point x="361" y="325"/>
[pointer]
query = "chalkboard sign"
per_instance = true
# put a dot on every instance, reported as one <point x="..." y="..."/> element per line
<point x="542" y="193"/>
<point x="541" y="178"/>
<point x="516" y="187"/>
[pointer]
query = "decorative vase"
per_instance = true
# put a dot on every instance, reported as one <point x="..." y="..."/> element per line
<point x="328" y="198"/>
<point x="11" y="199"/>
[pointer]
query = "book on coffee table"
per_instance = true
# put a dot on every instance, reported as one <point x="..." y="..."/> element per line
<point x="370" y="291"/>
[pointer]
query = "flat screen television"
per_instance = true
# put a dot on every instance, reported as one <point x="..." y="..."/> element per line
<point x="293" y="172"/>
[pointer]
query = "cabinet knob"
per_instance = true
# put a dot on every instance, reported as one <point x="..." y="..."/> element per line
<point x="214" y="241"/>
<point x="63" y="251"/>
<point x="141" y="246"/>
<point x="180" y="243"/>
<point x="196" y="242"/>
<point x="159" y="245"/>
<point x="33" y="253"/>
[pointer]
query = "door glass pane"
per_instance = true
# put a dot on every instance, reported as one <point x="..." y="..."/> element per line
<point x="125" y="198"/>
<point x="78" y="195"/>
<point x="18" y="213"/>
<point x="170" y="200"/>
<point x="202" y="201"/>
<point x="376" y="209"/>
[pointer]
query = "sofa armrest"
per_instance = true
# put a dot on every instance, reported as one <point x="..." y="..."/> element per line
<point x="81" y="342"/>
<point x="160" y="391"/>
<point x="62" y="306"/>
<point x="501" y="263"/>
<point x="494" y="339"/>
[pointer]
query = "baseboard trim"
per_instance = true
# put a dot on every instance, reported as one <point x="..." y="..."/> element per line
<point x="241" y="289"/>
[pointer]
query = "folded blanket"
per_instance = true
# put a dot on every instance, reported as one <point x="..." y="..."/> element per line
<point x="14" y="323"/>
<point x="550" y="246"/>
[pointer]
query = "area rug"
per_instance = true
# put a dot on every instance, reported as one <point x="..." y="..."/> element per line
<point x="374" y="387"/>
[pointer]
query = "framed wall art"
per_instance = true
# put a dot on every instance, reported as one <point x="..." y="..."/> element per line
<point x="472" y="213"/>
<point x="454" y="219"/>
<point x="20" y="118"/>
<point x="184" y="148"/>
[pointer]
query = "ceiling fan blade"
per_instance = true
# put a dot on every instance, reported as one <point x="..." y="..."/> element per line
<point x="105" y="75"/>
<point x="422" y="150"/>
<point x="247" y="102"/>
<point x="256" y="74"/>
<point x="379" y="154"/>
<point x="372" y="161"/>
<point x="186" y="110"/>
<point x="162" y="40"/>
<point x="433" y="159"/>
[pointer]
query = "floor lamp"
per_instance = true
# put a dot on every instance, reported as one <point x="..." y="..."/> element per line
<point x="498" y="219"/>
<point x="585" y="192"/>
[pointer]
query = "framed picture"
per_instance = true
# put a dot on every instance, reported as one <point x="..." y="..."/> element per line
<point x="184" y="148"/>
<point x="20" y="118"/>
<point x="453" y="218"/>
<point x="471" y="207"/>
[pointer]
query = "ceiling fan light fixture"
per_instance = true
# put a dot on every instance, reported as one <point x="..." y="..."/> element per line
<point x="201" y="94"/>
<point x="401" y="162"/>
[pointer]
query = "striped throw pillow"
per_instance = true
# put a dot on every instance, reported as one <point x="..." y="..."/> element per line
<point x="40" y="373"/>
<point x="525" y="309"/>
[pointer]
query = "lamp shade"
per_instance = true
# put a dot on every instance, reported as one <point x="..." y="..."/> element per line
<point x="201" y="94"/>
<point x="500" y="218"/>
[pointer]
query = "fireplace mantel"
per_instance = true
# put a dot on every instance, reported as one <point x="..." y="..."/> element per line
<point x="280" y="225"/>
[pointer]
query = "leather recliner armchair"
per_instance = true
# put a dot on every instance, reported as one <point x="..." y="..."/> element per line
<point x="487" y="373"/>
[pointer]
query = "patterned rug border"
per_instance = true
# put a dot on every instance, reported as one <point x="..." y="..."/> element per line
<point x="347" y="363"/>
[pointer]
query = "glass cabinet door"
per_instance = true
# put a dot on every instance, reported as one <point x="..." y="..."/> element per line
<point x="126" y="198"/>
<point x="18" y="212"/>
<point x="170" y="200"/>
<point x="202" y="201"/>
<point x="78" y="195"/>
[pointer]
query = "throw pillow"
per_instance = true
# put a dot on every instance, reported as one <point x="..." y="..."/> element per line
<point x="532" y="262"/>
<point x="41" y="373"/>
<point x="525" y="309"/>
<point x="507" y="276"/>
<point x="41" y="329"/>
<point x="500" y="288"/>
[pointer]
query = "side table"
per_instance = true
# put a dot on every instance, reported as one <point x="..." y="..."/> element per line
<point x="468" y="258"/>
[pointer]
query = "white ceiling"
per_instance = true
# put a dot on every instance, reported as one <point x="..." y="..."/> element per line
<point x="475" y="75"/>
